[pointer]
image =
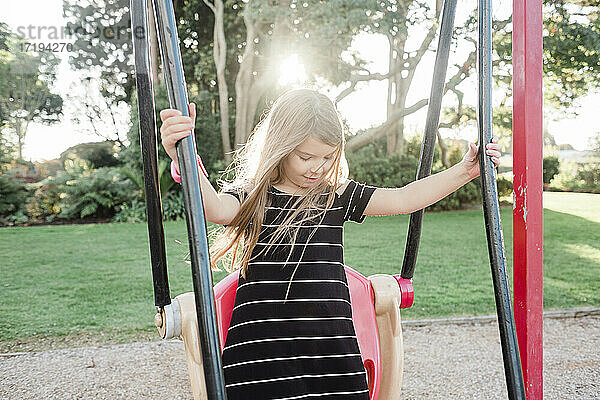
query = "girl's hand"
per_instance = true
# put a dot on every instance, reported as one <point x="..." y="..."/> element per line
<point x="470" y="161"/>
<point x="175" y="127"/>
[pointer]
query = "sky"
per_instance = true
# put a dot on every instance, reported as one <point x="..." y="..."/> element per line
<point x="364" y="108"/>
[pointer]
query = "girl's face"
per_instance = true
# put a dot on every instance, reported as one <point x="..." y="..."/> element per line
<point x="308" y="164"/>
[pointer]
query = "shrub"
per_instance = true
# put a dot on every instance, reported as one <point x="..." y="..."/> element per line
<point x="80" y="192"/>
<point x="133" y="211"/>
<point x="578" y="177"/>
<point x="589" y="173"/>
<point x="95" y="193"/>
<point x="173" y="207"/>
<point x="45" y="202"/>
<point x="13" y="195"/>
<point x="98" y="154"/>
<point x="505" y="186"/>
<point x="371" y="165"/>
<point x="550" y="166"/>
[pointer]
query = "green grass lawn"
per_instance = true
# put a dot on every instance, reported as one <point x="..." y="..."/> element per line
<point x="83" y="281"/>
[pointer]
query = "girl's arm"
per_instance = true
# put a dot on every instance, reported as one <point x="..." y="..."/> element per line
<point x="427" y="191"/>
<point x="219" y="208"/>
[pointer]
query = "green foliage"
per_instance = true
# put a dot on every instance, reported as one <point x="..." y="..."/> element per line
<point x="94" y="193"/>
<point x="208" y="142"/>
<point x="164" y="177"/>
<point x="135" y="210"/>
<point x="98" y="154"/>
<point x="550" y="165"/>
<point x="45" y="202"/>
<point x="571" y="50"/>
<point x="25" y="94"/>
<point x="173" y="207"/>
<point x="578" y="177"/>
<point x="6" y="152"/>
<point x="103" y="40"/>
<point x="505" y="186"/>
<point x="589" y="173"/>
<point x="130" y="212"/>
<point x="13" y="195"/>
<point x="370" y="165"/>
<point x="80" y="192"/>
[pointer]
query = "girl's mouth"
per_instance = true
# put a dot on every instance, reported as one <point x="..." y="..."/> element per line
<point x="311" y="179"/>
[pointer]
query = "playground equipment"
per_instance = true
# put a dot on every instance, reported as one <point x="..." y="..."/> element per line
<point x="202" y="318"/>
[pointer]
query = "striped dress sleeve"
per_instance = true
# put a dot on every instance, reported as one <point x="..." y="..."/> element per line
<point x="357" y="196"/>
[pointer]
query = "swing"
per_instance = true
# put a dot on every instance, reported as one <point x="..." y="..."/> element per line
<point x="376" y="301"/>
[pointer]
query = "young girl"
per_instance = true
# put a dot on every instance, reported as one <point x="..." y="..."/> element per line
<point x="291" y="334"/>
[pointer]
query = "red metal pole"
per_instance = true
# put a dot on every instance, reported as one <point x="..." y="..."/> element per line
<point x="527" y="184"/>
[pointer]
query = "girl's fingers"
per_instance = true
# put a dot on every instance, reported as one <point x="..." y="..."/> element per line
<point x="179" y="119"/>
<point x="172" y="139"/>
<point x="192" y="109"/>
<point x="494" y="146"/>
<point x="176" y="126"/>
<point x="168" y="113"/>
<point x="184" y="128"/>
<point x="493" y="153"/>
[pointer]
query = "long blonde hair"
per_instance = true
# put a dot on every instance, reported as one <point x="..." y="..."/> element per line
<point x="258" y="165"/>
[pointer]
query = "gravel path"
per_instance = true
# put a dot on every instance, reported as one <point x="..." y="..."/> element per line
<point x="441" y="362"/>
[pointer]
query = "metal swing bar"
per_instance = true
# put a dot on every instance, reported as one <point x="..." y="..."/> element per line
<point x="147" y="121"/>
<point x="202" y="280"/>
<point x="431" y="127"/>
<point x="491" y="211"/>
<point x="506" y="322"/>
<point x="194" y="211"/>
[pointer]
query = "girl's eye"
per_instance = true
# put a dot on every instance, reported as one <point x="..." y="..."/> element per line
<point x="304" y="158"/>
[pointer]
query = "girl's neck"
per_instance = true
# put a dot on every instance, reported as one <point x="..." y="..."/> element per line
<point x="291" y="189"/>
<point x="298" y="191"/>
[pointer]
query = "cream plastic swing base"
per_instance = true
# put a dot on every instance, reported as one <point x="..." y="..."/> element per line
<point x="387" y="310"/>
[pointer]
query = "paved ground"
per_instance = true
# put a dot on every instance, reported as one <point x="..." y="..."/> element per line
<point x="442" y="361"/>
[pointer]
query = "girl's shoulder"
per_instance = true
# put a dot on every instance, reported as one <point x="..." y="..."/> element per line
<point x="342" y="186"/>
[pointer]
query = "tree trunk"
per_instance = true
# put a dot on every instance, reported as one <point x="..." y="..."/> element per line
<point x="220" y="57"/>
<point x="19" y="137"/>
<point x="443" y="150"/>
<point x="396" y="93"/>
<point x="242" y="85"/>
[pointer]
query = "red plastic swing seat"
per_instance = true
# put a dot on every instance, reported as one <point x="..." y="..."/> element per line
<point x="363" y="316"/>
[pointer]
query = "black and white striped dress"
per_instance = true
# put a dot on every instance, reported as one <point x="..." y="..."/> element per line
<point x="303" y="347"/>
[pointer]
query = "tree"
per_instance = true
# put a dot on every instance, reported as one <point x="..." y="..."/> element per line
<point x="97" y="114"/>
<point x="261" y="34"/>
<point x="103" y="44"/>
<point x="5" y="146"/>
<point x="571" y="50"/>
<point x="550" y="168"/>
<point x="25" y="95"/>
<point x="220" y="58"/>
<point x="98" y="154"/>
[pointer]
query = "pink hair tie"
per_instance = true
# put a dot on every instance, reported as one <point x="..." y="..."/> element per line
<point x="177" y="176"/>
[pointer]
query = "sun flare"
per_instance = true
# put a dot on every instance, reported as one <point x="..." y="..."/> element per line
<point x="292" y="71"/>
